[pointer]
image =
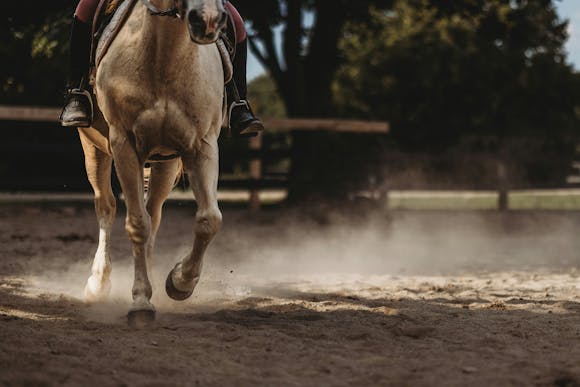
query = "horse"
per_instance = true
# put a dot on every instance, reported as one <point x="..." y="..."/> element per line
<point x="159" y="93"/>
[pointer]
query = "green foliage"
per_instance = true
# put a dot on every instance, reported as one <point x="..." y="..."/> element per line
<point x="304" y="67"/>
<point x="34" y="49"/>
<point x="265" y="98"/>
<point x="464" y="71"/>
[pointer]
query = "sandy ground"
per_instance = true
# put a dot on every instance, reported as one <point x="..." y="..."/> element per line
<point x="294" y="298"/>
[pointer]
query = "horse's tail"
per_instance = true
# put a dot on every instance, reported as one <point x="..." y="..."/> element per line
<point x="180" y="175"/>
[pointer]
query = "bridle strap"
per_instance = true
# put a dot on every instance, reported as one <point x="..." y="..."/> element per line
<point x="153" y="10"/>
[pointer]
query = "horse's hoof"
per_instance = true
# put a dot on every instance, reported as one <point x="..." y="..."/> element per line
<point x="173" y="292"/>
<point x="140" y="319"/>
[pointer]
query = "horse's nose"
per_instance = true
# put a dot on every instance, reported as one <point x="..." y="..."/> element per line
<point x="206" y="25"/>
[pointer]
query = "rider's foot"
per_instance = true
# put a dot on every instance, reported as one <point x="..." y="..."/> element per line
<point x="78" y="109"/>
<point x="243" y="122"/>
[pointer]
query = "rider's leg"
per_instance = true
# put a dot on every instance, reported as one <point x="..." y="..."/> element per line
<point x="78" y="110"/>
<point x="242" y="120"/>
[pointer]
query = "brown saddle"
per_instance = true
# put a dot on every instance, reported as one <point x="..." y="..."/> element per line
<point x="110" y="18"/>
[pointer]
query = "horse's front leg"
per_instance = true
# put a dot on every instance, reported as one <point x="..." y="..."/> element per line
<point x="202" y="169"/>
<point x="98" y="165"/>
<point x="137" y="224"/>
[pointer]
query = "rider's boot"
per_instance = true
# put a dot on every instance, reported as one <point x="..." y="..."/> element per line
<point x="242" y="120"/>
<point x="78" y="108"/>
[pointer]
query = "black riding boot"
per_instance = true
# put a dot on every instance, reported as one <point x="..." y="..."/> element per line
<point x="242" y="120"/>
<point x="78" y="109"/>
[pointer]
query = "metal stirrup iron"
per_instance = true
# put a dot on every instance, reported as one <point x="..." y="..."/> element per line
<point x="237" y="101"/>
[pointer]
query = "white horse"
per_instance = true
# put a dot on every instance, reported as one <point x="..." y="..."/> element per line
<point x="158" y="94"/>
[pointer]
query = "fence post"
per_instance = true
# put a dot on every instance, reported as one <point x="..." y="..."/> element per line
<point x="255" y="171"/>
<point x="503" y="199"/>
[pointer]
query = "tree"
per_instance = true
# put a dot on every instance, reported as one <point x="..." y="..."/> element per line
<point x="482" y="75"/>
<point x="265" y="98"/>
<point x="303" y="71"/>
<point x="33" y="48"/>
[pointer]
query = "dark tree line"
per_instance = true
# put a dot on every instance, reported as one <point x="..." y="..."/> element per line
<point x="494" y="71"/>
<point x="450" y="76"/>
<point x="304" y="71"/>
<point x="33" y="50"/>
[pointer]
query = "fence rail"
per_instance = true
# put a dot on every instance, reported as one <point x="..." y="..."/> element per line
<point x="53" y="159"/>
<point x="51" y="114"/>
<point x="29" y="113"/>
<point x="256" y="154"/>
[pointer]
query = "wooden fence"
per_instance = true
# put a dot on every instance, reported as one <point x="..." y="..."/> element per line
<point x="255" y="152"/>
<point x="38" y="150"/>
<point x="50" y="114"/>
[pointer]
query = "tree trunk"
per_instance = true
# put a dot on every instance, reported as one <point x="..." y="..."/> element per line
<point x="320" y="161"/>
<point x="318" y="158"/>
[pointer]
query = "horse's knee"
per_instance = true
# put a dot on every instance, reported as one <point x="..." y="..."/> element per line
<point x="138" y="228"/>
<point x="208" y="223"/>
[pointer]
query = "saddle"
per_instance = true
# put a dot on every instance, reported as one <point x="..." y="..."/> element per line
<point x="110" y="18"/>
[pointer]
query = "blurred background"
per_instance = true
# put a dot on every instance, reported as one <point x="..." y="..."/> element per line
<point x="480" y="96"/>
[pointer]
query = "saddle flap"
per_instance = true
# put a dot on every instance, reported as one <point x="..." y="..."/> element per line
<point x="104" y="10"/>
<point x="108" y="20"/>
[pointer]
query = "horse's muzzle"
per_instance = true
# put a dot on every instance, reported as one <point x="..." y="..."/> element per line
<point x="205" y="28"/>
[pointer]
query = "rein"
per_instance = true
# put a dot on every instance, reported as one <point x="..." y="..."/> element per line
<point x="153" y="10"/>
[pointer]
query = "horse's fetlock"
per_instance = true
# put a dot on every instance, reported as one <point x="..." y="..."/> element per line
<point x="142" y="290"/>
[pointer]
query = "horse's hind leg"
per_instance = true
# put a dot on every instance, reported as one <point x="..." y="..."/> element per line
<point x="161" y="182"/>
<point x="137" y="224"/>
<point x="202" y="170"/>
<point x="98" y="165"/>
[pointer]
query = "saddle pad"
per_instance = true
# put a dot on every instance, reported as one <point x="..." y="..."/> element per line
<point x="121" y="12"/>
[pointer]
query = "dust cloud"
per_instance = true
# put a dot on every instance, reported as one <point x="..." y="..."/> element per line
<point x="257" y="253"/>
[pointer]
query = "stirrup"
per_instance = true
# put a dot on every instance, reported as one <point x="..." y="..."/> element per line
<point x="235" y="104"/>
<point x="254" y="125"/>
<point x="83" y="94"/>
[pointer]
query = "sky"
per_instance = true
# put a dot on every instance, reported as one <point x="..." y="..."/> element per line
<point x="568" y="9"/>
